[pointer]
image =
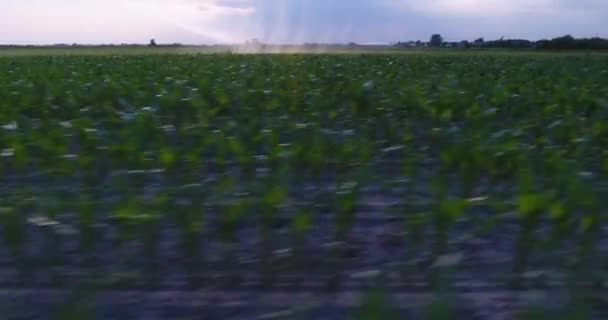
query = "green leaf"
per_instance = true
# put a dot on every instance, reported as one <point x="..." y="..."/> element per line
<point x="275" y="197"/>
<point x="531" y="204"/>
<point x="167" y="158"/>
<point x="454" y="208"/>
<point x="127" y="211"/>
<point x="302" y="223"/>
<point x="587" y="223"/>
<point x="558" y="211"/>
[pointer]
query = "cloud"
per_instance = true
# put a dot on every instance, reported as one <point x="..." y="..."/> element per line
<point x="503" y="8"/>
<point x="479" y="7"/>
<point x="193" y="9"/>
<point x="297" y="21"/>
<point x="206" y="18"/>
<point x="534" y="19"/>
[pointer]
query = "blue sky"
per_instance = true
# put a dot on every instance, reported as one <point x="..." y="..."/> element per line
<point x="294" y="21"/>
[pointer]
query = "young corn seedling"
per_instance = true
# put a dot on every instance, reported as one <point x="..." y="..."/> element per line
<point x="13" y="231"/>
<point x="561" y="223"/>
<point x="441" y="215"/>
<point x="589" y="233"/>
<point x="563" y="209"/>
<point x="191" y="164"/>
<point x="301" y="226"/>
<point x="52" y="239"/>
<point x="346" y="154"/>
<point x="316" y="159"/>
<point x="190" y="219"/>
<point x="151" y="228"/>
<point x="531" y="205"/>
<point x="272" y="201"/>
<point x="20" y="156"/>
<point x="230" y="219"/>
<point x="443" y="306"/>
<point x="168" y="159"/>
<point x="345" y="209"/>
<point x="221" y="150"/>
<point x="347" y="197"/>
<point x="89" y="158"/>
<point x="376" y="304"/>
<point x="86" y="225"/>
<point x="411" y="157"/>
<point x="127" y="215"/>
<point x="470" y="168"/>
<point x="445" y="215"/>
<point x="243" y="158"/>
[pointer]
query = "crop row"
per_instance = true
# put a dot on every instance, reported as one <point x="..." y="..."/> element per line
<point x="212" y="145"/>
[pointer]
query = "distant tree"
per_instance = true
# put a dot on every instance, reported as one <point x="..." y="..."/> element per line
<point x="542" y="44"/>
<point x="436" y="40"/>
<point x="152" y="43"/>
<point x="479" y="41"/>
<point x="569" y="42"/>
<point x="565" y="42"/>
<point x="510" y="44"/>
<point x="565" y="38"/>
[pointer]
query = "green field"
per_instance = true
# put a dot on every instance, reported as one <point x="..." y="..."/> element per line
<point x="8" y="51"/>
<point x="445" y="168"/>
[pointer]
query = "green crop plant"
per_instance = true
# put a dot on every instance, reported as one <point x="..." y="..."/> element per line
<point x="563" y="209"/>
<point x="151" y="228"/>
<point x="231" y="218"/>
<point x="51" y="206"/>
<point x="13" y="223"/>
<point x="190" y="219"/>
<point x="301" y="226"/>
<point x="86" y="223"/>
<point x="531" y="206"/>
<point x="127" y="215"/>
<point x="445" y="215"/>
<point x="588" y="229"/>
<point x="272" y="201"/>
<point x="376" y="304"/>
<point x="167" y="158"/>
<point x="347" y="197"/>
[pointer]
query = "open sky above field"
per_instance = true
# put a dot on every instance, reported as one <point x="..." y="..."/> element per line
<point x="294" y="21"/>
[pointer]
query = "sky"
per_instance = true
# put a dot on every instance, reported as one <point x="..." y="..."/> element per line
<point x="294" y="21"/>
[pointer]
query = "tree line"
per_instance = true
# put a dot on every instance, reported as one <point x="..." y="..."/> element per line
<point x="566" y="42"/>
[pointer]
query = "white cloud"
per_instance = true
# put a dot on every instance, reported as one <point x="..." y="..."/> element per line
<point x="193" y="9"/>
<point x="203" y="17"/>
<point x="501" y="8"/>
<point x="463" y="8"/>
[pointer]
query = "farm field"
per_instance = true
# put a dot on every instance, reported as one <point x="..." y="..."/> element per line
<point x="338" y="186"/>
